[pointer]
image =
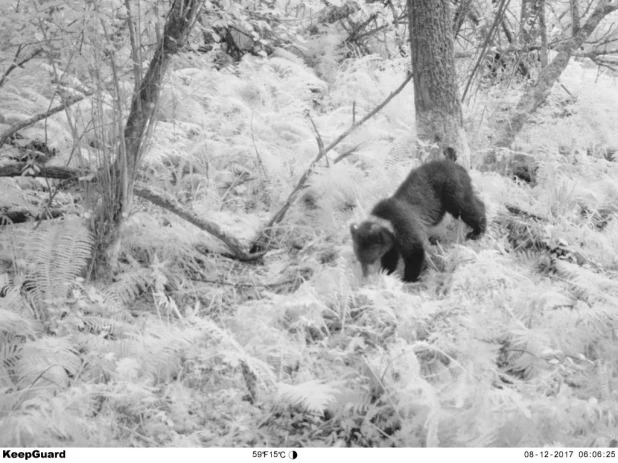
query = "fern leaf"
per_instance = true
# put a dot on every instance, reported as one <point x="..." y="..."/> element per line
<point x="311" y="396"/>
<point x="47" y="361"/>
<point x="15" y="324"/>
<point x="57" y="255"/>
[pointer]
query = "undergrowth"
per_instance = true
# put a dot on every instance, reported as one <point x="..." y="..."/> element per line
<point x="508" y="341"/>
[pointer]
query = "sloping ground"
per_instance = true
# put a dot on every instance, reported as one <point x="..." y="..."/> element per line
<point x="508" y="341"/>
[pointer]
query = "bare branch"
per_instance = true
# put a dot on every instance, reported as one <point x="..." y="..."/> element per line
<point x="264" y="235"/>
<point x="594" y="53"/>
<point x="69" y="101"/>
<point x="166" y="201"/>
<point x="490" y="36"/>
<point x="15" y="65"/>
<point x="346" y="153"/>
<point x="318" y="137"/>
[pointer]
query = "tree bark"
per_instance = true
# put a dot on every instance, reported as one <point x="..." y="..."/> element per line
<point x="544" y="51"/>
<point x="535" y="95"/>
<point x="529" y="24"/>
<point x="460" y="15"/>
<point x="575" y="17"/>
<point x="529" y="33"/>
<point x="436" y="96"/>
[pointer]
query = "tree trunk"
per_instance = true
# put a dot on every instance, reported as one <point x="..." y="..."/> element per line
<point x="529" y="23"/>
<point x="461" y="12"/>
<point x="535" y="95"/>
<point x="117" y="200"/>
<point x="575" y="17"/>
<point x="436" y="96"/>
<point x="529" y="33"/>
<point x="522" y="67"/>
<point x="544" y="52"/>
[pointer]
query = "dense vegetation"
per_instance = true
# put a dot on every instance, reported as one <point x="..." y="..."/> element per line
<point x="507" y="341"/>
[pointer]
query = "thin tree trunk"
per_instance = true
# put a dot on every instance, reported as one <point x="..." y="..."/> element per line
<point x="535" y="95"/>
<point x="575" y="17"/>
<point x="522" y="68"/>
<point x="460" y="16"/>
<point x="436" y="96"/>
<point x="544" y="52"/>
<point x="528" y="25"/>
<point x="109" y="220"/>
<point x="529" y="31"/>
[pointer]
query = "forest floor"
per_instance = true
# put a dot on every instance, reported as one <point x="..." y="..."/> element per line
<point x="506" y="341"/>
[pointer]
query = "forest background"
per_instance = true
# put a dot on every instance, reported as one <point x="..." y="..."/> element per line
<point x="178" y="179"/>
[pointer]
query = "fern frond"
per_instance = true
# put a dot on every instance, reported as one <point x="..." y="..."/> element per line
<point x="523" y="351"/>
<point x="154" y="356"/>
<point x="129" y="285"/>
<point x="14" y="302"/>
<point x="100" y="355"/>
<point x="64" y="418"/>
<point x="9" y="356"/>
<point x="11" y="322"/>
<point x="351" y="403"/>
<point x="107" y="326"/>
<point x="236" y="355"/>
<point x="220" y="335"/>
<point x="48" y="361"/>
<point x="22" y="429"/>
<point x="402" y="150"/>
<point x="600" y="314"/>
<point x="587" y="285"/>
<point x="57" y="256"/>
<point x="311" y="396"/>
<point x="287" y="55"/>
<point x="262" y="370"/>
